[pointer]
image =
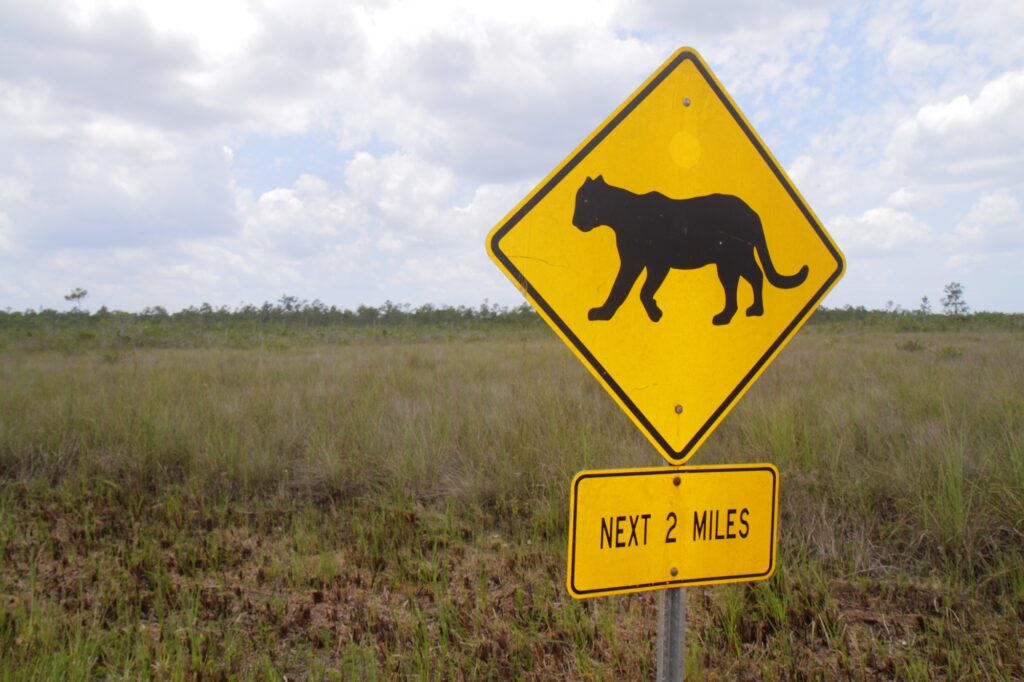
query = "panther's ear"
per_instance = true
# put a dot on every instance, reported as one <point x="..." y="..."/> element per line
<point x="600" y="178"/>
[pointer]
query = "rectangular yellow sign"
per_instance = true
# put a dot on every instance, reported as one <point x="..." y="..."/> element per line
<point x="632" y="530"/>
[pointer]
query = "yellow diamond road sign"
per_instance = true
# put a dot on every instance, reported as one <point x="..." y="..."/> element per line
<point x="672" y="254"/>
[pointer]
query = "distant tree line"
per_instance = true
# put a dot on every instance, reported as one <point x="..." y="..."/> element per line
<point x="902" y="319"/>
<point x="290" y="310"/>
<point x="956" y="314"/>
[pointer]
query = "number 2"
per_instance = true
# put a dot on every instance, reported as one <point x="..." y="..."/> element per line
<point x="668" y="536"/>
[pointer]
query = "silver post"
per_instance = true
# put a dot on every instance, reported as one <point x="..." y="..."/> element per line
<point x="671" y="634"/>
<point x="672" y="628"/>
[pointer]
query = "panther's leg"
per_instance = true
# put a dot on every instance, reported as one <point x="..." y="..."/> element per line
<point x="752" y="273"/>
<point x="655" y="276"/>
<point x="629" y="270"/>
<point x="730" y="279"/>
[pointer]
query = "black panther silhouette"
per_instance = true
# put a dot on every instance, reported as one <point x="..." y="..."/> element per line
<point x="658" y="233"/>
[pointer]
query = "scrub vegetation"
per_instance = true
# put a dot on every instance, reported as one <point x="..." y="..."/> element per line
<point x="219" y="495"/>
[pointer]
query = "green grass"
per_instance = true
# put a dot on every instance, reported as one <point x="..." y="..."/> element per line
<point x="376" y="507"/>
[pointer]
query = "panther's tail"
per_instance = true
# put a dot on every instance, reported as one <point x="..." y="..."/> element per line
<point x="780" y="281"/>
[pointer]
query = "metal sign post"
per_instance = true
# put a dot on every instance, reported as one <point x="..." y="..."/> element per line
<point x="671" y="635"/>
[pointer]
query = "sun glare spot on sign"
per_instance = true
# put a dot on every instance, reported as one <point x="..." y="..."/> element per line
<point x="685" y="149"/>
<point x="672" y="254"/>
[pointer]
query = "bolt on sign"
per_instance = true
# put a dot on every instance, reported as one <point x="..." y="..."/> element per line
<point x="672" y="254"/>
<point x="632" y="530"/>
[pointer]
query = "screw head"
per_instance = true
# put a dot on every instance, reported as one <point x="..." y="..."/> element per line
<point x="674" y="571"/>
<point x="686" y="101"/>
<point x="675" y="481"/>
<point x="679" y="409"/>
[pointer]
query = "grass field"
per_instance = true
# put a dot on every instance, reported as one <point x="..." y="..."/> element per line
<point x="378" y="507"/>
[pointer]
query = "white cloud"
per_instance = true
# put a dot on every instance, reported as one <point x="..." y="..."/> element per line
<point x="995" y="223"/>
<point x="991" y="29"/>
<point x="399" y="186"/>
<point x="395" y="225"/>
<point x="801" y="168"/>
<point x="219" y="30"/>
<point x="965" y="141"/>
<point x="908" y="198"/>
<point x="708" y="17"/>
<point x="174" y="152"/>
<point x="882" y="231"/>
<point x="438" y="272"/>
<point x="302" y="220"/>
<point x="497" y="102"/>
<point x="964" y="261"/>
<point x="909" y="56"/>
<point x="6" y="232"/>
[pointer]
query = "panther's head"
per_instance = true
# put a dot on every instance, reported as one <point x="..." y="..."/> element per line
<point x="590" y="201"/>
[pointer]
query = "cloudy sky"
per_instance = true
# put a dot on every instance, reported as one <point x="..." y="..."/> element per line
<point x="356" y="152"/>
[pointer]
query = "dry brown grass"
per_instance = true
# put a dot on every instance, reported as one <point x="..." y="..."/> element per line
<point x="400" y="510"/>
